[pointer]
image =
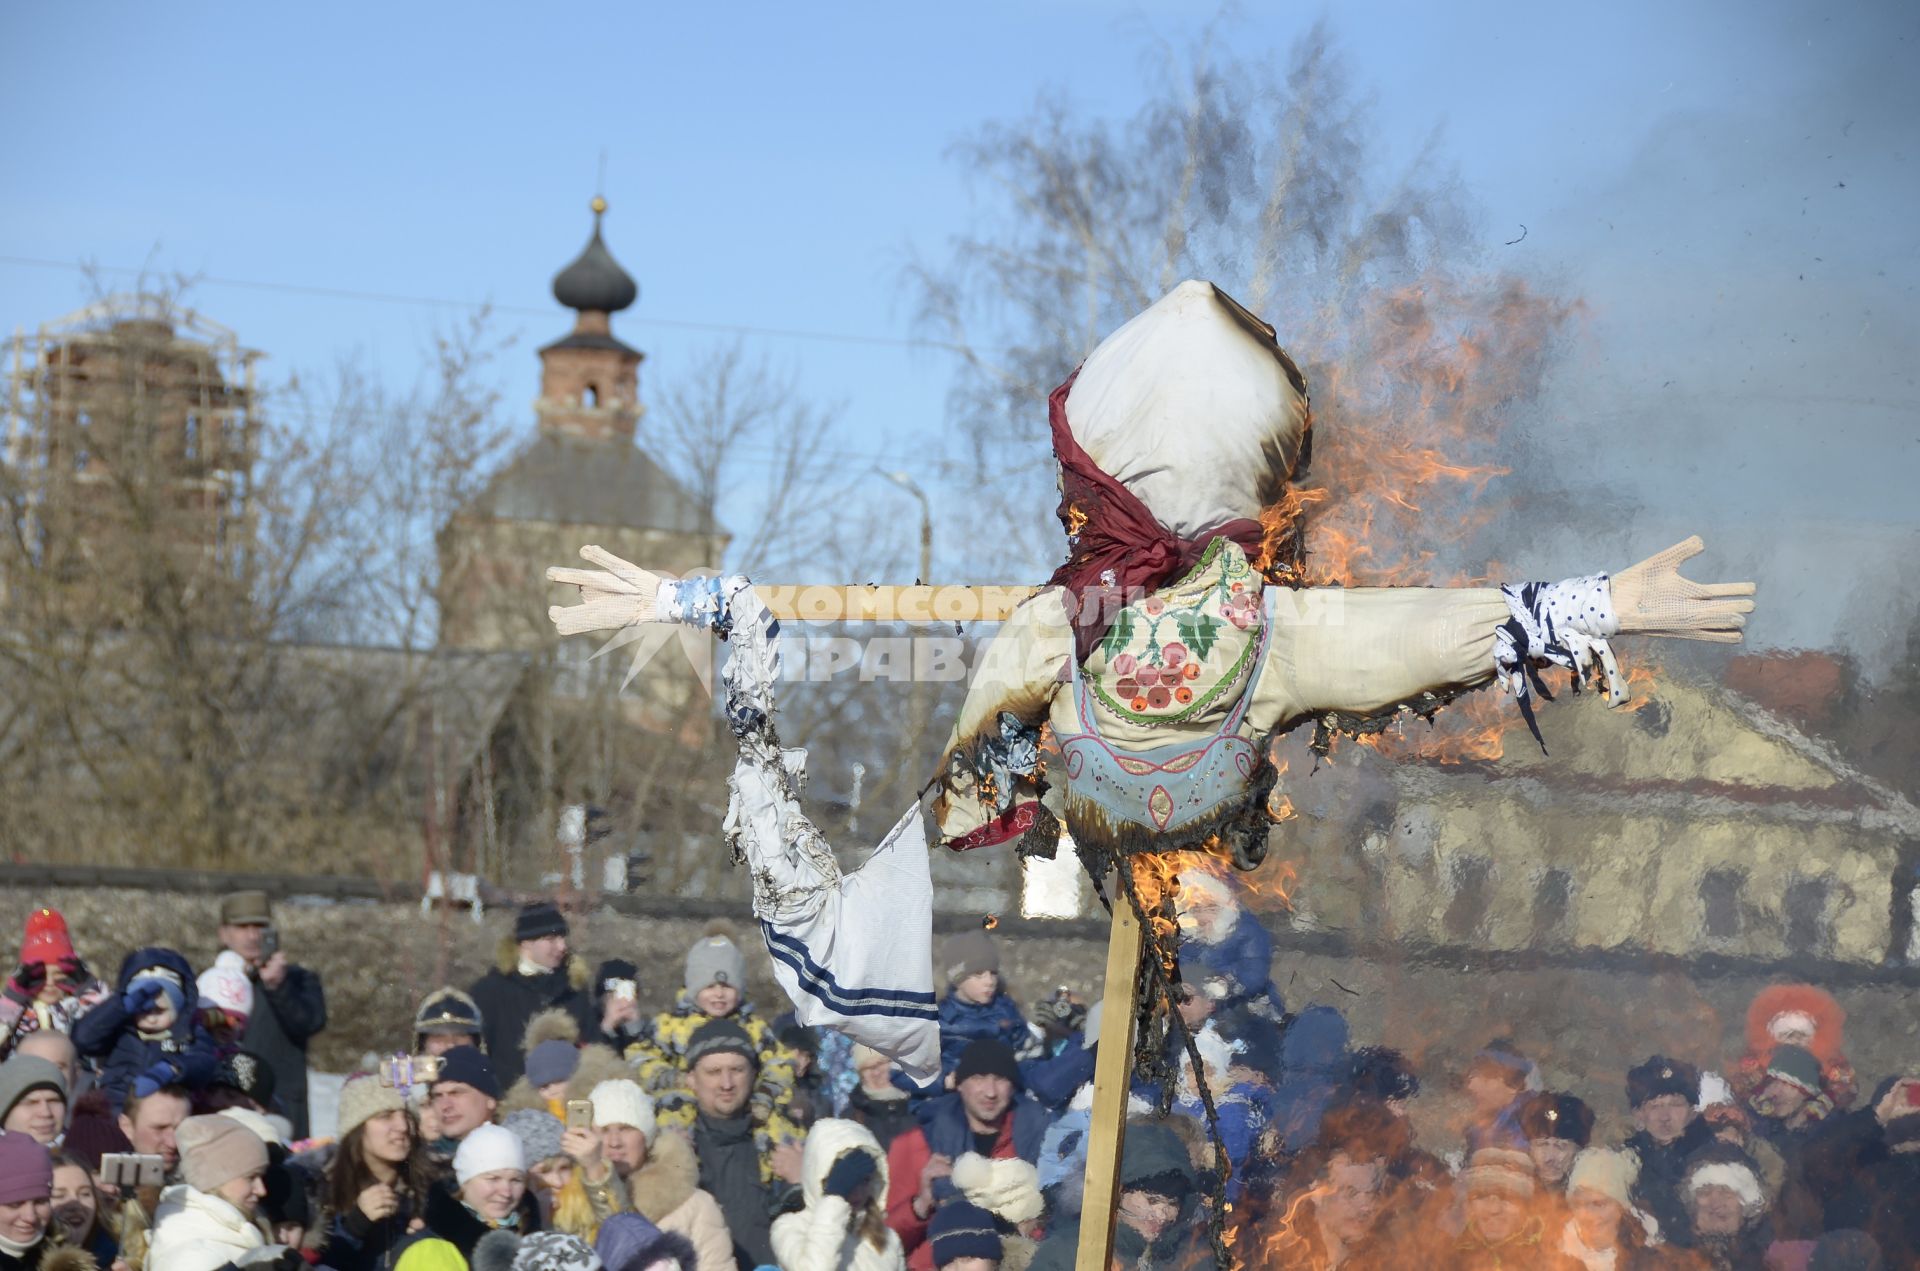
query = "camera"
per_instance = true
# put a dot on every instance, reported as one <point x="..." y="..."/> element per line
<point x="402" y="1072"/>
<point x="129" y="1169"/>
<point x="269" y="943"/>
<point x="579" y="1114"/>
<point x="625" y="990"/>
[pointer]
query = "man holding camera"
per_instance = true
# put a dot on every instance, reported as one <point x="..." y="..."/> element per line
<point x="289" y="1004"/>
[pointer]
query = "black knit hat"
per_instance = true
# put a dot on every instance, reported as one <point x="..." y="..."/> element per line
<point x="987" y="1058"/>
<point x="963" y="1230"/>
<point x="721" y="1037"/>
<point x="1661" y="1075"/>
<point x="541" y="918"/>
<point x="1384" y="1073"/>
<point x="1549" y="1115"/>
<point x="469" y="1067"/>
<point x="248" y="1073"/>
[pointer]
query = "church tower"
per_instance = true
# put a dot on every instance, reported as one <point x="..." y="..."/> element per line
<point x="590" y="379"/>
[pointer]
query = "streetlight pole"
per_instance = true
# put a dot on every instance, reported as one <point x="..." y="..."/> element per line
<point x="922" y="704"/>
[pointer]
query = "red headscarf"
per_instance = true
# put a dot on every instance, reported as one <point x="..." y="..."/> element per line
<point x="1110" y="529"/>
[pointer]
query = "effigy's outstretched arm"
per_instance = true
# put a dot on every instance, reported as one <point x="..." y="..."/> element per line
<point x="1364" y="650"/>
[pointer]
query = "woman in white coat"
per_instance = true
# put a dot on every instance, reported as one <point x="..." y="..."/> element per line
<point x="843" y="1176"/>
<point x="208" y="1221"/>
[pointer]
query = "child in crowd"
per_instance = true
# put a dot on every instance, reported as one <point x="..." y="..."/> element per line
<point x="148" y="1033"/>
<point x="51" y="988"/>
<point x="977" y="1006"/>
<point x="714" y="988"/>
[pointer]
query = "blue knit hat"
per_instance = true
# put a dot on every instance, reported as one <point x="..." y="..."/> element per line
<point x="628" y="1242"/>
<point x="960" y="1230"/>
<point x="551" y="1061"/>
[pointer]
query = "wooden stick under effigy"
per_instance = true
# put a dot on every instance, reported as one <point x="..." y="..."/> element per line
<point x="1112" y="1078"/>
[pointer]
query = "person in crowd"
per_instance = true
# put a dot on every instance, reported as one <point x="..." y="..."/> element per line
<point x="1557" y="1126"/>
<point x="1663" y="1093"/>
<point x="809" y="1099"/>
<point x="628" y="1242"/>
<point x="1332" y="1213"/>
<point x="78" y="1211"/>
<point x="147" y="1032"/>
<point x="1502" y="1230"/>
<point x="1726" y="1209"/>
<point x="977" y="1006"/>
<point x="1498" y="1082"/>
<point x="748" y="1165"/>
<point x="1315" y="1066"/>
<point x="51" y="988"/>
<point x="842" y="1224"/>
<point x="1226" y="956"/>
<point x="876" y="1102"/>
<point x="616" y="1002"/>
<point x="1800" y="1015"/>
<point x="714" y="988"/>
<point x="550" y="1171"/>
<point x="535" y="971"/>
<point x="290" y="1004"/>
<point x="464" y="1097"/>
<point x="1061" y="1017"/>
<point x="559" y="1066"/>
<point x="1054" y="1078"/>
<point x="1158" y="1219"/>
<point x="447" y="1018"/>
<point x="208" y="1220"/>
<point x="1385" y="1078"/>
<point x="650" y="1173"/>
<point x="984" y="1113"/>
<point x="1788" y="1102"/>
<point x="1881" y="1196"/>
<point x="226" y="1001"/>
<point x="376" y="1183"/>
<point x="965" y="1237"/>
<point x="1009" y="1191"/>
<point x="1603" y="1230"/>
<point x="488" y="1191"/>
<point x="29" y="1238"/>
<point x="151" y="1123"/>
<point x="33" y="1098"/>
<point x="1242" y="1101"/>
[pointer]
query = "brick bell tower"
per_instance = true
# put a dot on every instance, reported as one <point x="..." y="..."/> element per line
<point x="589" y="379"/>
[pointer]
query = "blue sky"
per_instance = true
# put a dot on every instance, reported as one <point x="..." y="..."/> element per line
<point x="774" y="165"/>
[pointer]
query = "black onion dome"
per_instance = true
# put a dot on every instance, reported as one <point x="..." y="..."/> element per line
<point x="595" y="281"/>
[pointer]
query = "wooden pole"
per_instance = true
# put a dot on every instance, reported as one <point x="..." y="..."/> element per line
<point x="1112" y="1074"/>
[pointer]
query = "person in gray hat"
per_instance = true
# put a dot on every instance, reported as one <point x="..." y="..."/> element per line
<point x="715" y="989"/>
<point x="33" y="1098"/>
<point x="290" y="1006"/>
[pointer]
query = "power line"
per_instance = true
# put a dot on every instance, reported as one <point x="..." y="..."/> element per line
<point x="381" y="297"/>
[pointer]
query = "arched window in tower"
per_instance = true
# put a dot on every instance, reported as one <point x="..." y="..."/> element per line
<point x="590" y="396"/>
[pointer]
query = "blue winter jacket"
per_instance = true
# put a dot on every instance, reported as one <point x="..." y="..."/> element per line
<point x="185" y="1056"/>
<point x="944" y="1122"/>
<point x="963" y="1023"/>
<point x="1315" y="1075"/>
<point x="1243" y="961"/>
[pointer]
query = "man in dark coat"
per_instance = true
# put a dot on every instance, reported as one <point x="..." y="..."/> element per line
<point x="1663" y="1093"/>
<point x="536" y="972"/>
<point x="289" y="1004"/>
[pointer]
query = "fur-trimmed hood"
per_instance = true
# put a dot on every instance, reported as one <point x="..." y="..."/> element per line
<point x="67" y="1258"/>
<point x="670" y="1176"/>
<point x="506" y="957"/>
<point x="598" y="1062"/>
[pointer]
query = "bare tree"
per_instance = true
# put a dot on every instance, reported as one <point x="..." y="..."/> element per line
<point x="1418" y="352"/>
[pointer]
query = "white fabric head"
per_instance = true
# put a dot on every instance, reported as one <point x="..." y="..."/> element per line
<point x="1736" y="1178"/>
<point x="1193" y="407"/>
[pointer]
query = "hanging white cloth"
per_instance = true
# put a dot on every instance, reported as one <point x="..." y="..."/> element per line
<point x="854" y="951"/>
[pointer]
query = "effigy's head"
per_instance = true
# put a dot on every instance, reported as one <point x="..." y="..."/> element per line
<point x="1195" y="408"/>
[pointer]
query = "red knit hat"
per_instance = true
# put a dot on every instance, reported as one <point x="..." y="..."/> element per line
<point x="47" y="939"/>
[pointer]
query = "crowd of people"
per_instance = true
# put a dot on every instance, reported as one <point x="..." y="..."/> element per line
<point x="543" y="1119"/>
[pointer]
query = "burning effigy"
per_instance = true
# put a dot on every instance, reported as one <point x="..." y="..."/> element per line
<point x="1134" y="700"/>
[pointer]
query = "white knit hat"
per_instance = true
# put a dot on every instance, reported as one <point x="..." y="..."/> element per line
<point x="225" y="984"/>
<point x="1609" y="1172"/>
<point x="621" y="1102"/>
<point x="361" y="1099"/>
<point x="487" y="1149"/>
<point x="268" y="1133"/>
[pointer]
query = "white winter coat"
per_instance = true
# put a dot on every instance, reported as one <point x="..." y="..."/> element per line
<point x="824" y="1236"/>
<point x="198" y="1231"/>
